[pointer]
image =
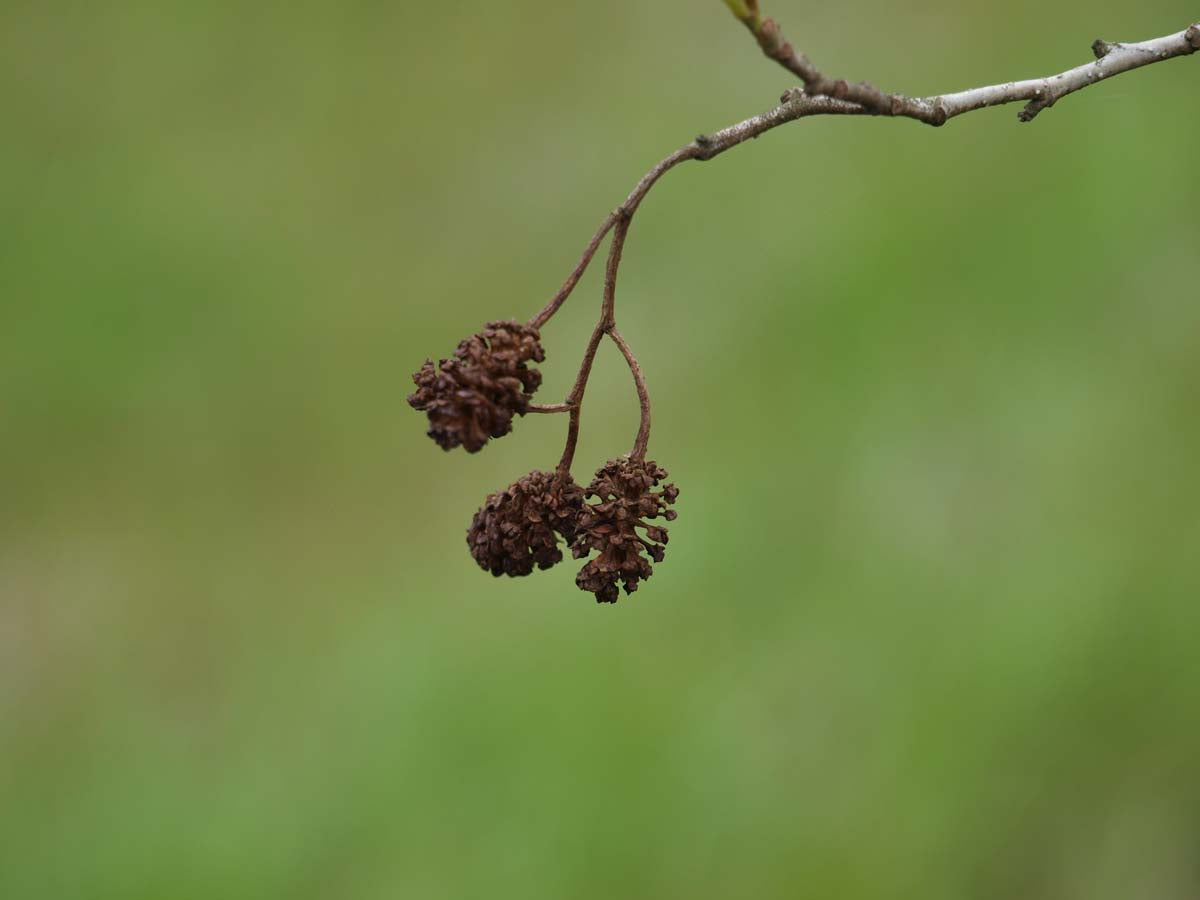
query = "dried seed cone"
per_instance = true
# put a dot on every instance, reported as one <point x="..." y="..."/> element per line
<point x="474" y="395"/>
<point x="624" y="489"/>
<point x="518" y="527"/>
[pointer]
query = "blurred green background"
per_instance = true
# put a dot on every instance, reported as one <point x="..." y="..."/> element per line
<point x="928" y="622"/>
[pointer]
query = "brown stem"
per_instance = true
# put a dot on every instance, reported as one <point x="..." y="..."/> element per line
<point x="549" y="407"/>
<point x="622" y="213"/>
<point x="821" y="95"/>
<point x="573" y="279"/>
<point x="608" y="309"/>
<point x="575" y="399"/>
<point x="704" y="147"/>
<point x="643" y="435"/>
<point x="828" y="96"/>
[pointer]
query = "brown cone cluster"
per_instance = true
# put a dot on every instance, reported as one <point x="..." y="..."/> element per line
<point x="474" y="395"/>
<point x="518" y="527"/>
<point x="625" y="491"/>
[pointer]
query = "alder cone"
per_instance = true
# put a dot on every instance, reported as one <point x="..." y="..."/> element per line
<point x="473" y="396"/>
<point x="518" y="527"/>
<point x="626" y="498"/>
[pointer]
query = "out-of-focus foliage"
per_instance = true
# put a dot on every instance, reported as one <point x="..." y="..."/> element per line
<point x="927" y="625"/>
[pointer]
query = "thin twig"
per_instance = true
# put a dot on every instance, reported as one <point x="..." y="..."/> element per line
<point x="608" y="310"/>
<point x="826" y="96"/>
<point x="1040" y="93"/>
<point x="575" y="398"/>
<point x="639" y="380"/>
<point x="624" y="211"/>
<point x="820" y="95"/>
<point x="573" y="279"/>
<point x="547" y="408"/>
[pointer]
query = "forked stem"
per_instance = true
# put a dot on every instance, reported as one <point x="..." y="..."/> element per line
<point x="820" y="95"/>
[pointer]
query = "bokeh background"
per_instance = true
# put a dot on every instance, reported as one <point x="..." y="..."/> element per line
<point x="928" y="622"/>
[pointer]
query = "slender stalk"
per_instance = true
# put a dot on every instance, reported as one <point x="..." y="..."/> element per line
<point x="639" y="380"/>
<point x="575" y="399"/>
<point x="573" y="279"/>
<point x="820" y="95"/>
<point x="623" y="212"/>
<point x="608" y="309"/>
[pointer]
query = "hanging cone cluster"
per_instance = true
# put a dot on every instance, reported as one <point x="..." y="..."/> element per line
<point x="624" y="489"/>
<point x="474" y="395"/>
<point x="518" y="527"/>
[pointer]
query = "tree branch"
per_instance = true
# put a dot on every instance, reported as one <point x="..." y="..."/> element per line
<point x="1111" y="59"/>
<point x="820" y="95"/>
